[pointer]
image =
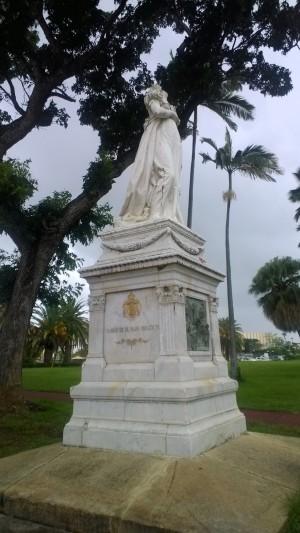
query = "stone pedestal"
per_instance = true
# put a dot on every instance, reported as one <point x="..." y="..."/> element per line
<point x="154" y="380"/>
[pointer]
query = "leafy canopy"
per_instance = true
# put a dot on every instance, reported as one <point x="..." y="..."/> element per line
<point x="35" y="219"/>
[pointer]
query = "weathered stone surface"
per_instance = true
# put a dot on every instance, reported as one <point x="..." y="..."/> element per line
<point x="240" y="487"/>
<point x="14" y="525"/>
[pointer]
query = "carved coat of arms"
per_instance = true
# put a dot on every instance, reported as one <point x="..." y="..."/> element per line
<point x="131" y="306"/>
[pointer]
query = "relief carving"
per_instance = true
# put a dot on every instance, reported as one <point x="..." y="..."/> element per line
<point x="97" y="302"/>
<point x="131" y="306"/>
<point x="170" y="294"/>
<point x="213" y="303"/>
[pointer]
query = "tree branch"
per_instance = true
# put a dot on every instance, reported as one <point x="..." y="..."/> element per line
<point x="14" y="98"/>
<point x="19" y="128"/>
<point x="181" y="24"/>
<point x="81" y="205"/>
<point x="62" y="94"/>
<point x="12" y="222"/>
<point x="46" y="30"/>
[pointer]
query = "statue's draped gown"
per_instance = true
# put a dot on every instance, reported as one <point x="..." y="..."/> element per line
<point x="153" y="190"/>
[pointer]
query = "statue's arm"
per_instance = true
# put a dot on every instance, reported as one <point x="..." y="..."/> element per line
<point x="160" y="112"/>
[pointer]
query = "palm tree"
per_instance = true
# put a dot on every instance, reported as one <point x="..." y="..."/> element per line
<point x="255" y="162"/>
<point x="61" y="327"/>
<point x="229" y="103"/>
<point x="295" y="197"/>
<point x="72" y="315"/>
<point x="224" y="328"/>
<point x="277" y="288"/>
<point x="47" y="319"/>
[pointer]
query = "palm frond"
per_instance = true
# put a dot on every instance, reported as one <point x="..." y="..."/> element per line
<point x="294" y="194"/>
<point x="209" y="141"/>
<point x="234" y="104"/>
<point x="217" y="108"/>
<point x="228" y="145"/>
<point x="297" y="174"/>
<point x="256" y="162"/>
<point x="206" y="157"/>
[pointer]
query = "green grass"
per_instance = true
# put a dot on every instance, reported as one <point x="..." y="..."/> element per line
<point x="266" y="386"/>
<point x="293" y="521"/>
<point x="270" y="386"/>
<point x="42" y="424"/>
<point x="58" y="379"/>
<point x="274" y="429"/>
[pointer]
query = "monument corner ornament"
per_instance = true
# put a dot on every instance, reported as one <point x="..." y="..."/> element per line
<point x="154" y="380"/>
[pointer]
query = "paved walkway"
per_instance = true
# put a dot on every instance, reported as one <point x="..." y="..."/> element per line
<point x="239" y="487"/>
<point x="269" y="417"/>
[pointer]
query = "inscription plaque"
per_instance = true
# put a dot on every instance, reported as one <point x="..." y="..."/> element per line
<point x="131" y="329"/>
<point x="197" y="328"/>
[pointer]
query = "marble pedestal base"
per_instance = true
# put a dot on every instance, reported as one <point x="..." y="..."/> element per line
<point x="154" y="380"/>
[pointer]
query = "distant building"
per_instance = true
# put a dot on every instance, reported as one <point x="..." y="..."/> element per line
<point x="265" y="339"/>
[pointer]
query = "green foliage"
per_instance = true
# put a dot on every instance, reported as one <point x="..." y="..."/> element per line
<point x="42" y="217"/>
<point x="295" y="197"/>
<point x="252" y="346"/>
<point x="16" y="184"/>
<point x="61" y="326"/>
<point x="53" y="287"/>
<point x="99" y="171"/>
<point x="227" y="40"/>
<point x="279" y="346"/>
<point x="277" y="288"/>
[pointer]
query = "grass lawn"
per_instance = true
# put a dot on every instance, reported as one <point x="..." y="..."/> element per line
<point x="273" y="386"/>
<point x="270" y="386"/>
<point x="58" y="379"/>
<point x="42" y="424"/>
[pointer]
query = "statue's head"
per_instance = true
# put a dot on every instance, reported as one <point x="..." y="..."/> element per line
<point x="155" y="93"/>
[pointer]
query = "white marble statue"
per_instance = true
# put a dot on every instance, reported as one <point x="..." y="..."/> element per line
<point x="153" y="190"/>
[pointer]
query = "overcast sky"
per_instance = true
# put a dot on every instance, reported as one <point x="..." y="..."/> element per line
<point x="262" y="224"/>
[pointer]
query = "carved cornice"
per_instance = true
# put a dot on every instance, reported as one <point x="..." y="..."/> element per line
<point x="131" y="247"/>
<point x="144" y="228"/>
<point x="136" y="263"/>
<point x="138" y="245"/>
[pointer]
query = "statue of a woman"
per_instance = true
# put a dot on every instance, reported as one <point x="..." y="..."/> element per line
<point x="153" y="190"/>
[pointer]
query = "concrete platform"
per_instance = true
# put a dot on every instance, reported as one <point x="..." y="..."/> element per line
<point x="239" y="487"/>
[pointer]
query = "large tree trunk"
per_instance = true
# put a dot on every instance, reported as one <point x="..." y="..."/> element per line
<point x="48" y="356"/>
<point x="233" y="355"/>
<point x="192" y="172"/>
<point x="67" y="353"/>
<point x="33" y="266"/>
